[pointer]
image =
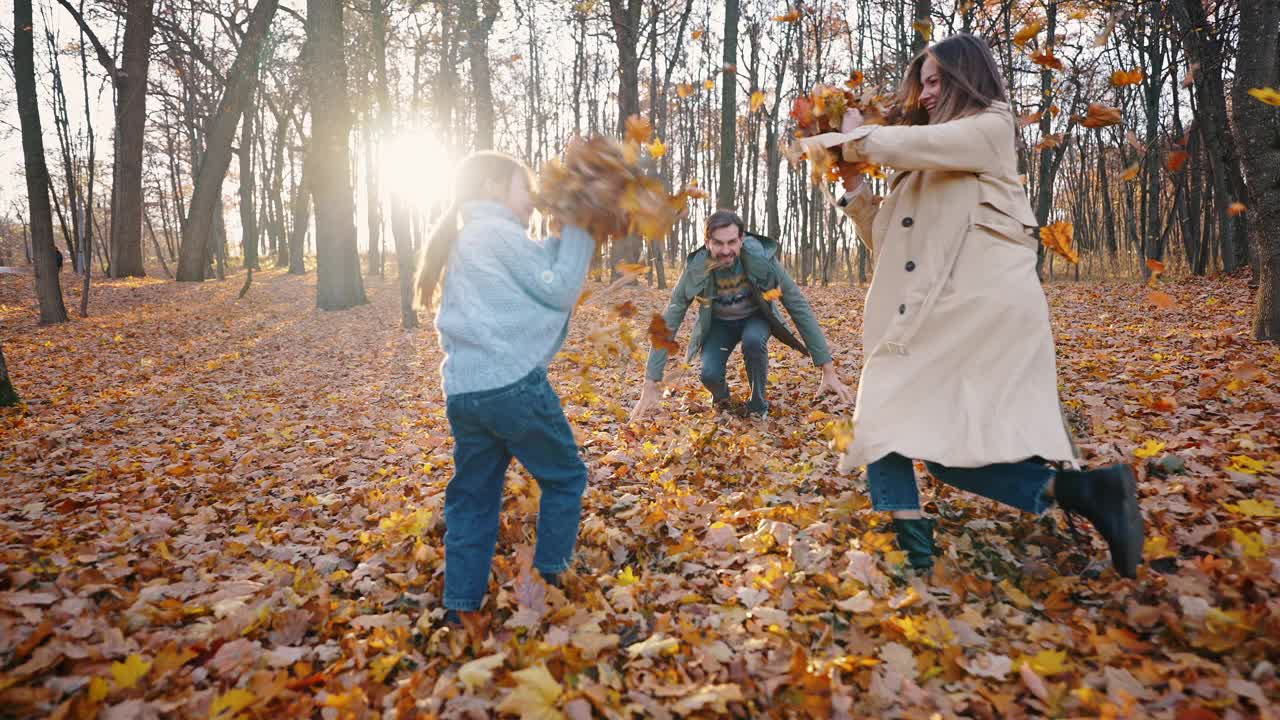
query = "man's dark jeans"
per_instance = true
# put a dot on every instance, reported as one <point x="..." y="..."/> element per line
<point x="753" y="332"/>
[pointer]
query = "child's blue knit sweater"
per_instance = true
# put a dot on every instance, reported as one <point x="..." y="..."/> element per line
<point x="505" y="306"/>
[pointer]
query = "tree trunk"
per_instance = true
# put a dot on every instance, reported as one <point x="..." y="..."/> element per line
<point x="339" y="285"/>
<point x="8" y="395"/>
<point x="373" y="198"/>
<point x="728" y="106"/>
<point x="48" y="289"/>
<point x="130" y="129"/>
<point x="401" y="212"/>
<point x="1257" y="129"/>
<point x="301" y="220"/>
<point x="478" y="57"/>
<point x="625" y="18"/>
<point x="248" y="219"/>
<point x="199" y="232"/>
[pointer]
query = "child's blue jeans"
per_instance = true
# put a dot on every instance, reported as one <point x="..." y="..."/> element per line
<point x="1020" y="484"/>
<point x="523" y="420"/>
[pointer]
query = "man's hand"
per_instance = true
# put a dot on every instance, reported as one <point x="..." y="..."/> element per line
<point x="649" y="395"/>
<point x="831" y="383"/>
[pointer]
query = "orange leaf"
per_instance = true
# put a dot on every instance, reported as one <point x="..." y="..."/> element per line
<point x="925" y="28"/>
<point x="661" y="337"/>
<point x="1101" y="116"/>
<point x="1176" y="160"/>
<point x="772" y="295"/>
<point x="1161" y="299"/>
<point x="1236" y="208"/>
<point x="1131" y="172"/>
<point x="639" y="130"/>
<point x="709" y="84"/>
<point x="631" y="268"/>
<point x="855" y="79"/>
<point x="1057" y="237"/>
<point x="792" y="15"/>
<point x="1270" y="96"/>
<point x="697" y="34"/>
<point x="1046" y="59"/>
<point x="684" y="90"/>
<point x="1121" y="78"/>
<point x="1155" y="266"/>
<point x="1028" y="31"/>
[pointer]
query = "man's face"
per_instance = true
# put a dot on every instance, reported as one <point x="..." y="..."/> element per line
<point x="725" y="243"/>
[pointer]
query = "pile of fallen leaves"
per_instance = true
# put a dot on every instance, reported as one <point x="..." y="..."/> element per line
<point x="611" y="189"/>
<point x="236" y="512"/>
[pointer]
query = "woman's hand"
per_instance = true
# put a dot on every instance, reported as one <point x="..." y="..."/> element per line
<point x="852" y="120"/>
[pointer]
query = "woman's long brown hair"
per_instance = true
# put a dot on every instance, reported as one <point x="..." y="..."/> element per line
<point x="481" y="176"/>
<point x="970" y="81"/>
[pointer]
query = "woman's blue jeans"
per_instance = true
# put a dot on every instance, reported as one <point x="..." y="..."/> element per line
<point x="523" y="420"/>
<point x="1020" y="485"/>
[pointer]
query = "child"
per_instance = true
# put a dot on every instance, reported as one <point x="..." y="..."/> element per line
<point x="504" y="312"/>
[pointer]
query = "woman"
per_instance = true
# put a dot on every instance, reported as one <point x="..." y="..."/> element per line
<point x="959" y="357"/>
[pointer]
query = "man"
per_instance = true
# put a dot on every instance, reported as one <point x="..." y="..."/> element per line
<point x="735" y="276"/>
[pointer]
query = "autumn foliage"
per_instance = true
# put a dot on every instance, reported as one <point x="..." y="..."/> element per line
<point x="236" y="512"/>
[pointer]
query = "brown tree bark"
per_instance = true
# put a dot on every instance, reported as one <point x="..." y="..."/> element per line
<point x="478" y="29"/>
<point x="728" y="106"/>
<point x="1257" y="130"/>
<point x="48" y="289"/>
<point x="199" y="232"/>
<point x="339" y="285"/>
<point x="248" y="219"/>
<point x="401" y="218"/>
<point x="8" y="395"/>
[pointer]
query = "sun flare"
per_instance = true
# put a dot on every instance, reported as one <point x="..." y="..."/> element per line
<point x="419" y="165"/>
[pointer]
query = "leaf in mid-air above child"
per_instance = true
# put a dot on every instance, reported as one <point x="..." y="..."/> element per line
<point x="757" y="100"/>
<point x="1120" y="78"/>
<point x="684" y="90"/>
<point x="1101" y="116"/>
<point x="1176" y="160"/>
<point x="925" y="28"/>
<point x="1236" y="208"/>
<point x="773" y="294"/>
<point x="793" y="15"/>
<point x="660" y="335"/>
<point x="656" y="148"/>
<point x="1131" y="172"/>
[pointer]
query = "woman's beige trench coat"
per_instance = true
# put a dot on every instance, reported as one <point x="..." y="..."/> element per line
<point x="958" y="361"/>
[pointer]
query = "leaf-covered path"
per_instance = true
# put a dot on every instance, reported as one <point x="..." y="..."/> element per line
<point x="220" y="508"/>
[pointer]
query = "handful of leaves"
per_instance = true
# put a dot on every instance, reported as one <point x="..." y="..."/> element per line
<point x="610" y="188"/>
<point x="822" y="111"/>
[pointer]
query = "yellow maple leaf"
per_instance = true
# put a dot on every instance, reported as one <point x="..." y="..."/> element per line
<point x="1254" y="508"/>
<point x="480" y="671"/>
<point x="1156" y="547"/>
<point x="627" y="577"/>
<point x="1247" y="465"/>
<point x="1251" y="543"/>
<point x="1058" y="238"/>
<point x="925" y="28"/>
<point x="230" y="703"/>
<point x="534" y="696"/>
<point x="383" y="665"/>
<point x="1047" y="662"/>
<point x="657" y="149"/>
<point x="757" y="100"/>
<point x="1131" y="173"/>
<point x="128" y="673"/>
<point x="684" y="90"/>
<point x="773" y="294"/>
<point x="98" y="690"/>
<point x="1267" y="95"/>
<point x="709" y="84"/>
<point x="1149" y="449"/>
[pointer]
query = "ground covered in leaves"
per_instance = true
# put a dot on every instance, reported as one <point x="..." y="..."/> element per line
<point x="222" y="508"/>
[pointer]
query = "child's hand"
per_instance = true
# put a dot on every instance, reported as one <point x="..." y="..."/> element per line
<point x="852" y="120"/>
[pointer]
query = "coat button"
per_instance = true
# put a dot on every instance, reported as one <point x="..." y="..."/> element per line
<point x="902" y="309"/>
<point x="911" y="265"/>
<point x="907" y="222"/>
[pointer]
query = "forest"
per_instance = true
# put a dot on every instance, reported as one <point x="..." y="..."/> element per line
<point x="225" y="447"/>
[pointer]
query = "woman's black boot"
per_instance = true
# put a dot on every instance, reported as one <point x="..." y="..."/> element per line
<point x="915" y="538"/>
<point x="1108" y="498"/>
